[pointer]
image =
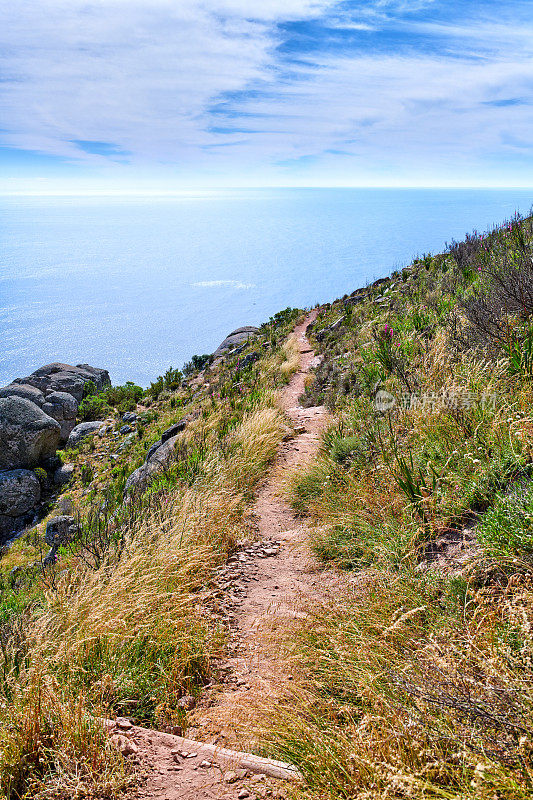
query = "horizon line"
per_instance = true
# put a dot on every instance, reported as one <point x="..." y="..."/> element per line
<point x="219" y="189"/>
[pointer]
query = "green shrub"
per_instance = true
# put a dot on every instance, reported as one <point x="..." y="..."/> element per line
<point x="196" y="364"/>
<point x="93" y="407"/>
<point x="171" y="380"/>
<point x="123" y="398"/>
<point x="287" y="315"/>
<point x="99" y="405"/>
<point x="41" y="475"/>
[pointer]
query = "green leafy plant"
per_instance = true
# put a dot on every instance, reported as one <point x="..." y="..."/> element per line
<point x="416" y="484"/>
<point x="171" y="380"/>
<point x="520" y="354"/>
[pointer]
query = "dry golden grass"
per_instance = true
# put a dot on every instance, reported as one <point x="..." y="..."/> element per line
<point x="393" y="698"/>
<point x="138" y="612"/>
<point x="292" y="357"/>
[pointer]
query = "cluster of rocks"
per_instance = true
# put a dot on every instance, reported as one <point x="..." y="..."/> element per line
<point x="321" y="335"/>
<point x="37" y="416"/>
<point x="158" y="457"/>
<point x="231" y="578"/>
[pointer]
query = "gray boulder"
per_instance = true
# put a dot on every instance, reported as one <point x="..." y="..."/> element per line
<point x="82" y="431"/>
<point x="57" y="377"/>
<point x="64" y="474"/>
<point x="23" y="390"/>
<point x="160" y="459"/>
<point x="27" y="434"/>
<point x="20" y="492"/>
<point x="355" y="298"/>
<point x="379" y="282"/>
<point x="99" y="376"/>
<point x="248" y="360"/>
<point x="152" y="449"/>
<point x="236" y="337"/>
<point x="170" y="433"/>
<point x="173" y="430"/>
<point x="63" y="408"/>
<point x="58" y="530"/>
<point x="336" y="325"/>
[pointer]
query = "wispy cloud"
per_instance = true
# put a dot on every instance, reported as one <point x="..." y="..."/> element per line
<point x="296" y="90"/>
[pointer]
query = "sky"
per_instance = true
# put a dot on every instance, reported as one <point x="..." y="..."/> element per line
<point x="177" y="95"/>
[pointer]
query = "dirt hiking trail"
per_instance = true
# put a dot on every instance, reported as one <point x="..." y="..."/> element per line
<point x="258" y="589"/>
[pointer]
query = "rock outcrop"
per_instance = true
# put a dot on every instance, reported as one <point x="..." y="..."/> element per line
<point x="59" y="377"/>
<point x="63" y="474"/>
<point x="178" y="427"/>
<point x="159" y="456"/>
<point x="59" y="530"/>
<point x="25" y="391"/>
<point x="63" y="408"/>
<point x="37" y="415"/>
<point x="58" y="389"/>
<point x="235" y="338"/>
<point x="159" y="459"/>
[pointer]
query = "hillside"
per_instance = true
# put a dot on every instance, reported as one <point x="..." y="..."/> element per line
<point x="403" y="668"/>
<point x="416" y="680"/>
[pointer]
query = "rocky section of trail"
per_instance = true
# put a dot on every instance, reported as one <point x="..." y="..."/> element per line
<point x="453" y="552"/>
<point x="261" y="586"/>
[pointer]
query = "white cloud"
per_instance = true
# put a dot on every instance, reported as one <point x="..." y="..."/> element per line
<point x="184" y="87"/>
<point x="138" y="74"/>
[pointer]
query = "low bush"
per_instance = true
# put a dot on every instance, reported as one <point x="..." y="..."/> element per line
<point x="98" y="405"/>
<point x="196" y="364"/>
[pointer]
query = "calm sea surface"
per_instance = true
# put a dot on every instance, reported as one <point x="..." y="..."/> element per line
<point x="138" y="284"/>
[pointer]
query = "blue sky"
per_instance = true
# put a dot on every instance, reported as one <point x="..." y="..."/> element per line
<point x="166" y="95"/>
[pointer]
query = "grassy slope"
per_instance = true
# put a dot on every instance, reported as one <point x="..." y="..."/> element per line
<point x="417" y="682"/>
<point x="413" y="682"/>
<point x="117" y="624"/>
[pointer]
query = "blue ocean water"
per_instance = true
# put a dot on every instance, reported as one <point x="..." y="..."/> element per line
<point x="138" y="284"/>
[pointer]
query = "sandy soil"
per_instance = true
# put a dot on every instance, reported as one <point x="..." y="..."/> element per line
<point x="263" y="586"/>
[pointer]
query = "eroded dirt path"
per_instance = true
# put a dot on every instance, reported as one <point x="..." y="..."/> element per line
<point x="261" y="586"/>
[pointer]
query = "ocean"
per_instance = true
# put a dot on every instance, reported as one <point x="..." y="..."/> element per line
<point x="138" y="284"/>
